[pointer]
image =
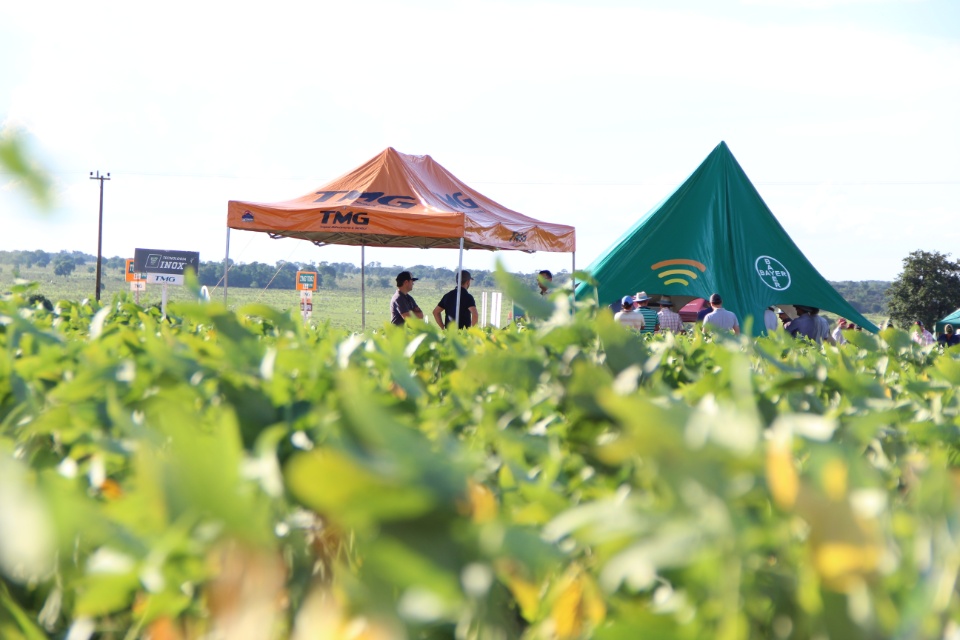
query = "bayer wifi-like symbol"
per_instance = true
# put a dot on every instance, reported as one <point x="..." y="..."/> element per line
<point x="678" y="275"/>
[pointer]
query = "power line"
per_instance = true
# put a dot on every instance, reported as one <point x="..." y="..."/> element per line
<point x="777" y="183"/>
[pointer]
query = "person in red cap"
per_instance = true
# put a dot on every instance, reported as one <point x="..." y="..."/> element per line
<point x="838" y="332"/>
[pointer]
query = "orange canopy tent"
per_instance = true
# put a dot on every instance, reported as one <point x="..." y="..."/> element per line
<point x="400" y="200"/>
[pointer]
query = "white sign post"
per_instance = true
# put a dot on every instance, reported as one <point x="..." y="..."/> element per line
<point x="165" y="267"/>
<point x="495" y="304"/>
<point x="306" y="304"/>
<point x="496" y="300"/>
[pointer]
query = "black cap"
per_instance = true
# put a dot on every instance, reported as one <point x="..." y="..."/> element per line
<point x="465" y="276"/>
<point x="715" y="298"/>
<point x="403" y="276"/>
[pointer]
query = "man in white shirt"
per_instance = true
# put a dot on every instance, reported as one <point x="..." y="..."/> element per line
<point x="627" y="317"/>
<point x="838" y="332"/>
<point x="720" y="318"/>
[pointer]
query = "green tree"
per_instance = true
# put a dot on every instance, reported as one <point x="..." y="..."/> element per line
<point x="64" y="265"/>
<point x="42" y="258"/>
<point x="926" y="290"/>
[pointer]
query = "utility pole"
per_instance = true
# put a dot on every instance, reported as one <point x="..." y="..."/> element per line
<point x="97" y="176"/>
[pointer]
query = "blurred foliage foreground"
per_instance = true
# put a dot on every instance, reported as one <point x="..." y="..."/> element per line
<point x="242" y="476"/>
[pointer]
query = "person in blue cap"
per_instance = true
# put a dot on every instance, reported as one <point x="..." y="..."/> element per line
<point x="627" y="317"/>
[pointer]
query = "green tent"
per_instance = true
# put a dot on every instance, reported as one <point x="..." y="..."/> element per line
<point x="953" y="318"/>
<point x="715" y="234"/>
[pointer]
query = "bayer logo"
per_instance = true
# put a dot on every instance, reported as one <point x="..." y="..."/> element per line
<point x="773" y="273"/>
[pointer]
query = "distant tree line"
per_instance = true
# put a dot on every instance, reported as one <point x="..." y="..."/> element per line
<point x="283" y="274"/>
<point x="866" y="296"/>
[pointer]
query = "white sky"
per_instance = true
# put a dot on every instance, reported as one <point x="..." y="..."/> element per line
<point x="844" y="114"/>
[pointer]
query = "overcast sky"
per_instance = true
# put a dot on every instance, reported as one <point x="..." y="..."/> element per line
<point x="844" y="114"/>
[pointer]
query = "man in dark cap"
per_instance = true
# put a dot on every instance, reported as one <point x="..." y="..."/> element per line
<point x="446" y="310"/>
<point x="920" y="335"/>
<point x="402" y="303"/>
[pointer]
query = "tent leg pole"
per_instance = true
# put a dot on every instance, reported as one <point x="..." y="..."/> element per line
<point x="226" y="266"/>
<point x="574" y="269"/>
<point x="459" y="284"/>
<point x="363" y="290"/>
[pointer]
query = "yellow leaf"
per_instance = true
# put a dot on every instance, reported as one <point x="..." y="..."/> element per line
<point x="781" y="474"/>
<point x="483" y="504"/>
<point x="164" y="629"/>
<point x="526" y="593"/>
<point x="566" y="613"/>
<point x="834" y="478"/>
<point x="842" y="565"/>
<point x="111" y="489"/>
<point x="576" y="604"/>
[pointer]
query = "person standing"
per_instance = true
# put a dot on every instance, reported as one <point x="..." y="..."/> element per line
<point x="948" y="338"/>
<point x="770" y="320"/>
<point x="785" y="319"/>
<point x="805" y="324"/>
<point x="627" y="316"/>
<point x="823" y="327"/>
<point x="720" y="318"/>
<point x="921" y="336"/>
<point x="447" y="307"/>
<point x="704" y="311"/>
<point x="542" y="279"/>
<point x="650" y="320"/>
<point x="402" y="304"/>
<point x="838" y="332"/>
<point x="667" y="318"/>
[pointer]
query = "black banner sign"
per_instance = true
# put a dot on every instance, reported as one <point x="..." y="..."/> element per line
<point x="163" y="261"/>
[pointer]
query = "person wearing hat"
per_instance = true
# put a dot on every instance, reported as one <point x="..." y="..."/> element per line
<point x="627" y="316"/>
<point x="838" y="332"/>
<point x="402" y="303"/>
<point x="785" y="319"/>
<point x="720" y="318"/>
<point x="448" y="304"/>
<point x="920" y="335"/>
<point x="948" y="338"/>
<point x="650" y="320"/>
<point x="806" y="324"/>
<point x="667" y="318"/>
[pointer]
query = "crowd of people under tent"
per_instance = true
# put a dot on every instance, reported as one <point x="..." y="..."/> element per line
<point x="636" y="312"/>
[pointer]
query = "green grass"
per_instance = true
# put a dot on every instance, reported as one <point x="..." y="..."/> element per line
<point x="341" y="306"/>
